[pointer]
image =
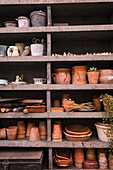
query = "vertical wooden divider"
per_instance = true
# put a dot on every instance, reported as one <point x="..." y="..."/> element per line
<point x="49" y="23"/>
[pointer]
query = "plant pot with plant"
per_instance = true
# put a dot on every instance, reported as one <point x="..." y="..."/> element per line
<point x="93" y="75"/>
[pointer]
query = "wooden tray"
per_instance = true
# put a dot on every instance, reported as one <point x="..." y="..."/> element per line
<point x="36" y="109"/>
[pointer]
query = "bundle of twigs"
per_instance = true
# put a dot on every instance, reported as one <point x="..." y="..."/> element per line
<point x="81" y="107"/>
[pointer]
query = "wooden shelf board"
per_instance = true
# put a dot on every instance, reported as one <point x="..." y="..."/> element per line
<point x="58" y="87"/>
<point x="52" y="115"/>
<point x="12" y="2"/>
<point x="52" y="29"/>
<point x="90" y="58"/>
<point x="93" y="143"/>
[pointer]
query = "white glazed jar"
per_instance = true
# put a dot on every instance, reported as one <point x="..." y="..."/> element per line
<point x="23" y="21"/>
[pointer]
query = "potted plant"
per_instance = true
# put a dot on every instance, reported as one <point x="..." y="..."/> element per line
<point x="97" y="103"/>
<point x="93" y="75"/>
<point x="105" y="129"/>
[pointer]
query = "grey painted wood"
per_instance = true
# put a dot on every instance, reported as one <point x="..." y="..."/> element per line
<point x="58" y="87"/>
<point x="57" y="58"/>
<point x="50" y="159"/>
<point x="49" y="29"/>
<point x="49" y="73"/>
<point x="52" y="115"/>
<point x="11" y="2"/>
<point x="48" y="44"/>
<point x="93" y="143"/>
<point x="49" y="16"/>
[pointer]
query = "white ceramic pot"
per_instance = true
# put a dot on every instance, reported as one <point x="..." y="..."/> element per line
<point x="102" y="132"/>
<point x="23" y="22"/>
<point x="37" y="49"/>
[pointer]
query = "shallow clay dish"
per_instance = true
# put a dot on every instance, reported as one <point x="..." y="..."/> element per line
<point x="77" y="130"/>
<point x="33" y="109"/>
<point x="77" y="137"/>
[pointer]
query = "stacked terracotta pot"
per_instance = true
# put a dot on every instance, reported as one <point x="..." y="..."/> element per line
<point x="78" y="158"/>
<point x="30" y="125"/>
<point x="102" y="161"/>
<point x="77" y="133"/>
<point x="12" y="132"/>
<point x="3" y="133"/>
<point x="21" y="130"/>
<point x="90" y="154"/>
<point x="34" y="135"/>
<point x="63" y="157"/>
<point x="110" y="161"/>
<point x="42" y="130"/>
<point x="57" y="131"/>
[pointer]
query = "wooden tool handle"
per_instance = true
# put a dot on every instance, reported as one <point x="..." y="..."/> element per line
<point x="25" y="111"/>
<point x="9" y="110"/>
<point x="3" y="110"/>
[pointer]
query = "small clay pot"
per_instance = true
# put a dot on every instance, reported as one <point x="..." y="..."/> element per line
<point x="34" y="135"/>
<point x="97" y="104"/>
<point x="21" y="127"/>
<point x="3" y="133"/>
<point x="93" y="77"/>
<point x="30" y="125"/>
<point x="56" y="103"/>
<point x="12" y="132"/>
<point x="78" y="165"/>
<point x="56" y="135"/>
<point x="111" y="162"/>
<point x="90" y="154"/>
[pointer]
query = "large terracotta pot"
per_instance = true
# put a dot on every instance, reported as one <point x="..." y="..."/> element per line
<point x="78" y="157"/>
<point x="93" y="77"/>
<point x="62" y="76"/>
<point x="34" y="135"/>
<point x="21" y="127"/>
<point x="79" y="75"/>
<point x="106" y="76"/>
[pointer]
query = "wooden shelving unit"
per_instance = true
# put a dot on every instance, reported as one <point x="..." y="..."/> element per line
<point x="51" y="33"/>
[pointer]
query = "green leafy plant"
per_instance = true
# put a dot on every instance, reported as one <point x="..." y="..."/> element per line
<point x="93" y="69"/>
<point x="108" y="118"/>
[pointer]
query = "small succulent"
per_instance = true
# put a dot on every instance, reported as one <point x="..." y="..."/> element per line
<point x="92" y="69"/>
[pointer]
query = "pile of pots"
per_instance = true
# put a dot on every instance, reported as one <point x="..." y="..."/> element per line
<point x="80" y="74"/>
<point x="19" y="132"/>
<point x="77" y="133"/>
<point x="57" y="131"/>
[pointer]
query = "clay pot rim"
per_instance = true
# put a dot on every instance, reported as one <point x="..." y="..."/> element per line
<point x="105" y="70"/>
<point x="62" y="69"/>
<point x="69" y="127"/>
<point x="78" y="136"/>
<point x="104" y="126"/>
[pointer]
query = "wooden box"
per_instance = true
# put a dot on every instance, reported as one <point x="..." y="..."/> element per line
<point x="21" y="160"/>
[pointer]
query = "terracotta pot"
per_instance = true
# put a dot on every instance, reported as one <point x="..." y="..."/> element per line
<point x="62" y="76"/>
<point x="77" y="130"/>
<point x="79" y="153"/>
<point x="111" y="162"/>
<point x="21" y="136"/>
<point x="12" y="132"/>
<point x="93" y="77"/>
<point x="30" y="125"/>
<point x="90" y="164"/>
<point x="43" y="137"/>
<point x="102" y="161"/>
<point x="79" y="75"/>
<point x="42" y="129"/>
<point x="3" y="133"/>
<point x="65" y="97"/>
<point x="106" y="76"/>
<point x="57" y="109"/>
<point x="97" y="104"/>
<point x="56" y="135"/>
<point x="34" y="135"/>
<point x="90" y="154"/>
<point x="56" y="103"/>
<point x="56" y="129"/>
<point x="21" y="127"/>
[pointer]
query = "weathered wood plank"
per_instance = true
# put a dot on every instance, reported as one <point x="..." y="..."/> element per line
<point x="12" y="2"/>
<point x="50" y="159"/>
<point x="49" y="16"/>
<point x="56" y="58"/>
<point x="58" y="87"/>
<point x="49" y="29"/>
<point x="52" y="115"/>
<point x="93" y="143"/>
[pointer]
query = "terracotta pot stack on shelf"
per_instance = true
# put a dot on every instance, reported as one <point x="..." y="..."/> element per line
<point x="29" y="126"/>
<point x="34" y="135"/>
<point x="21" y="129"/>
<point x="42" y="130"/>
<point x="78" y="158"/>
<point x="57" y="131"/>
<point x="12" y="132"/>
